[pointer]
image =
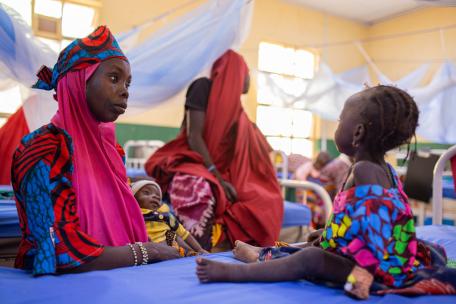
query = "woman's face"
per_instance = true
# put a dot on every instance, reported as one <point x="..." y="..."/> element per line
<point x="107" y="89"/>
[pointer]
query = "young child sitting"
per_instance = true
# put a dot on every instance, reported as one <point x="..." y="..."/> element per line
<point x="369" y="243"/>
<point x="161" y="225"/>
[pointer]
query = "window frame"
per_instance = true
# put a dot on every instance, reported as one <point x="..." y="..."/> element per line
<point x="292" y="110"/>
<point x="59" y="36"/>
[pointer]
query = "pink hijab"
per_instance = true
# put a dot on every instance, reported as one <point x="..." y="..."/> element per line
<point x="107" y="208"/>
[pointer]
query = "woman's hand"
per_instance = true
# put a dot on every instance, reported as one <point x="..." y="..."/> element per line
<point x="160" y="252"/>
<point x="230" y="192"/>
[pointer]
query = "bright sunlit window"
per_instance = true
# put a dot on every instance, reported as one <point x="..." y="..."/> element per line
<point x="287" y="128"/>
<point x="278" y="59"/>
<point x="22" y="7"/>
<point x="2" y="121"/>
<point x="11" y="101"/>
<point x="49" y="8"/>
<point x="58" y="22"/>
<point x="77" y="20"/>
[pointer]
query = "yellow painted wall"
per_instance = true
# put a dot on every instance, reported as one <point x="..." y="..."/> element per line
<point x="399" y="56"/>
<point x="123" y="15"/>
<point x="273" y="21"/>
<point x="279" y="21"/>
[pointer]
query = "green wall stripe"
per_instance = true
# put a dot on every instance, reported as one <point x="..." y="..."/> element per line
<point x="332" y="149"/>
<point x="126" y="132"/>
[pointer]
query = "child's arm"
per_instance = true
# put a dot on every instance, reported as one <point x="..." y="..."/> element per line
<point x="182" y="243"/>
<point x="190" y="240"/>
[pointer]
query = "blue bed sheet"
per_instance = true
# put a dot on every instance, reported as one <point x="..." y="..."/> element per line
<point x="448" y="187"/>
<point x="294" y="215"/>
<point x="175" y="282"/>
<point x="9" y="221"/>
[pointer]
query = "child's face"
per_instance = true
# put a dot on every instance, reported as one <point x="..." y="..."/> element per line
<point x="350" y="129"/>
<point x="149" y="197"/>
<point x="107" y="89"/>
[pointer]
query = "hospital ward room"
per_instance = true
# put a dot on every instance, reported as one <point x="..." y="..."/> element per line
<point x="228" y="151"/>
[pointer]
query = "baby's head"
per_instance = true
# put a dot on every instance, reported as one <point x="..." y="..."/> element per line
<point x="376" y="120"/>
<point x="148" y="194"/>
<point x="322" y="159"/>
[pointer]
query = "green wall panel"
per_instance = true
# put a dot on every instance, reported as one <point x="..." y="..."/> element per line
<point x="126" y="132"/>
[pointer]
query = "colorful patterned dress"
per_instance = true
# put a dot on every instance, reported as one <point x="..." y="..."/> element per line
<point x="46" y="203"/>
<point x="374" y="227"/>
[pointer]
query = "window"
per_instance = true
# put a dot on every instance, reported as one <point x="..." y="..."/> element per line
<point x="58" y="22"/>
<point x="54" y="22"/>
<point x="22" y="7"/>
<point x="284" y="72"/>
<point x="11" y="101"/>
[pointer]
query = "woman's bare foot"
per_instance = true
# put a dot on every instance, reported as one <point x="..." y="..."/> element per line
<point x="359" y="282"/>
<point x="212" y="271"/>
<point x="245" y="252"/>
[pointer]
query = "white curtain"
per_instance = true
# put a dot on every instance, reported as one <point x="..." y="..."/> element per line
<point x="21" y="55"/>
<point x="327" y="92"/>
<point x="165" y="63"/>
<point x="162" y="65"/>
<point x="437" y="104"/>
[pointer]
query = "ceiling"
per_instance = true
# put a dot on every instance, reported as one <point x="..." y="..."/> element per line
<point x="369" y="11"/>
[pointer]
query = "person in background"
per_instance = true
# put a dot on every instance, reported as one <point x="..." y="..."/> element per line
<point x="311" y="171"/>
<point x="217" y="173"/>
<point x="335" y="173"/>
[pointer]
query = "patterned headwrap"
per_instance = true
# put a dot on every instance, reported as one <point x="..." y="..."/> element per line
<point x="100" y="45"/>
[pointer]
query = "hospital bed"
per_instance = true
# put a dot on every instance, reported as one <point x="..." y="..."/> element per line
<point x="176" y="282"/>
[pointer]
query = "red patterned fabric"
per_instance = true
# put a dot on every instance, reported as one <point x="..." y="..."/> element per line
<point x="193" y="202"/>
<point x="453" y="169"/>
<point x="46" y="204"/>
<point x="10" y="136"/>
<point x="424" y="287"/>
<point x="241" y="154"/>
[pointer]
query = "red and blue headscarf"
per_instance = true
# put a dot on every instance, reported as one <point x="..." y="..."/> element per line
<point x="100" y="45"/>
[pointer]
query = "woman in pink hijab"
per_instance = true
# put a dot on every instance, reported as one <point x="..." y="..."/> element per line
<point x="76" y="210"/>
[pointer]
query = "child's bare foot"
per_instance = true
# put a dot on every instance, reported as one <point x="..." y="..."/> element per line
<point x="212" y="271"/>
<point x="359" y="282"/>
<point x="245" y="252"/>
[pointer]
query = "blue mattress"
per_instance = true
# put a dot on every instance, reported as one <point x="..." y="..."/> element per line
<point x="175" y="282"/>
<point x="136" y="173"/>
<point x="294" y="215"/>
<point x="9" y="221"/>
<point x="448" y="187"/>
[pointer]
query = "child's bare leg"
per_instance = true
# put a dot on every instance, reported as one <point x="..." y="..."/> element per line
<point x="245" y="252"/>
<point x="308" y="262"/>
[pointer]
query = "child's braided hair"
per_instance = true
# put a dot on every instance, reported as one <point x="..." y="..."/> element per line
<point x="392" y="117"/>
